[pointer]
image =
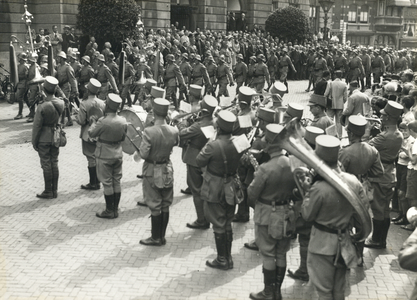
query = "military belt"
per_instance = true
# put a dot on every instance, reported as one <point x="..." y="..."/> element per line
<point x="219" y="174"/>
<point x="327" y="229"/>
<point x="273" y="203"/>
<point x="150" y="161"/>
<point x="108" y="142"/>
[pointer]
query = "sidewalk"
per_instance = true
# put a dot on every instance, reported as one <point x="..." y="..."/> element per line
<point x="58" y="249"/>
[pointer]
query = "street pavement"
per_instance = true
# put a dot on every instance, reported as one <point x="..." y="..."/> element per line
<point x="59" y="249"/>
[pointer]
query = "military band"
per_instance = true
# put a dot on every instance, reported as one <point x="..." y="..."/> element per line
<point x="217" y="169"/>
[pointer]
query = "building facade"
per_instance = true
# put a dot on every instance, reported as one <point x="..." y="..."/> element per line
<point x="387" y="23"/>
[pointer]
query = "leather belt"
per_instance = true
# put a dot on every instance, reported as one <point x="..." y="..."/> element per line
<point x="218" y="174"/>
<point x="156" y="162"/>
<point x="327" y="229"/>
<point x="108" y="142"/>
<point x="273" y="203"/>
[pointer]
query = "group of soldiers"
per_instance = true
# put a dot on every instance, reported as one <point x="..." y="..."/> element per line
<point x="220" y="173"/>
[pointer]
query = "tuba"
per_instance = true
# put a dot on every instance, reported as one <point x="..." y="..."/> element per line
<point x="292" y="141"/>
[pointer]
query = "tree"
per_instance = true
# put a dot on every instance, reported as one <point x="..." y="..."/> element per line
<point x="289" y="24"/>
<point x="108" y="20"/>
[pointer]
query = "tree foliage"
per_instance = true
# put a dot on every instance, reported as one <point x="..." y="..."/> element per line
<point x="289" y="24"/>
<point x="108" y="20"/>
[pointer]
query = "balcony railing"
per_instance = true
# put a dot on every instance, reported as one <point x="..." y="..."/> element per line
<point x="388" y="21"/>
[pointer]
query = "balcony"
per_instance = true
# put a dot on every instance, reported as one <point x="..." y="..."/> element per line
<point x="388" y="23"/>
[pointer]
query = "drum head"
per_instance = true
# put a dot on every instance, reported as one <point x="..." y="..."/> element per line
<point x="134" y="131"/>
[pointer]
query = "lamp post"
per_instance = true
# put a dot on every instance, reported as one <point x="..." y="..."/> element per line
<point x="326" y="5"/>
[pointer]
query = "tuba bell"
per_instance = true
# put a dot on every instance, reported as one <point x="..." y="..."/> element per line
<point x="292" y="142"/>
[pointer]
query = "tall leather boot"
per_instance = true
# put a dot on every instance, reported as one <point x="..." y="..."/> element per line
<point x="55" y="177"/>
<point x="268" y="293"/>
<point x="47" y="193"/>
<point x="108" y="213"/>
<point x="229" y="241"/>
<point x="384" y="231"/>
<point x="220" y="262"/>
<point x="360" y="246"/>
<point x="165" y="221"/>
<point x="301" y="273"/>
<point x="279" y="280"/>
<point x="92" y="185"/>
<point x="116" y="198"/>
<point x="156" y="231"/>
<point x="375" y="241"/>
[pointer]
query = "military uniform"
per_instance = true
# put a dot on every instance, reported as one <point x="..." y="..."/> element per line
<point x="274" y="219"/>
<point x="128" y="81"/>
<point x="186" y="71"/>
<point x="67" y="83"/>
<point x="33" y="88"/>
<point x="319" y="66"/>
<point x="241" y="70"/>
<point x="328" y="258"/>
<point x="285" y="64"/>
<point x="193" y="140"/>
<point x="86" y="73"/>
<point x="224" y="77"/>
<point x="212" y="73"/>
<point x="378" y="68"/>
<point x="46" y="119"/>
<point x="110" y="131"/>
<point x="355" y="69"/>
<point x="173" y="78"/>
<point x="158" y="174"/>
<point x="105" y="77"/>
<point x="199" y="75"/>
<point x="140" y="92"/>
<point x="217" y="191"/>
<point x="261" y="75"/>
<point x="89" y="145"/>
<point x="114" y="69"/>
<point x="340" y="63"/>
<point x="21" y="87"/>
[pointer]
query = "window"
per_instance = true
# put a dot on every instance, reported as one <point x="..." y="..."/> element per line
<point x="352" y="13"/>
<point x="312" y="11"/>
<point x="275" y="5"/>
<point x="363" y="16"/>
<point x="381" y="8"/>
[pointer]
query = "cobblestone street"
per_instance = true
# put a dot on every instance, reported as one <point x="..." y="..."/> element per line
<point x="59" y="249"/>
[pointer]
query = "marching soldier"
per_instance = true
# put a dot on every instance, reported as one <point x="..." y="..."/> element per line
<point x="173" y="78"/>
<point x="217" y="191"/>
<point x="186" y="71"/>
<point x="261" y="74"/>
<point x="212" y="73"/>
<point x="274" y="219"/>
<point x="251" y="71"/>
<point x="387" y="60"/>
<point x="388" y="143"/>
<point x="319" y="66"/>
<point x="356" y="69"/>
<point x="114" y="68"/>
<point x="67" y="83"/>
<point x="199" y="75"/>
<point x="158" y="174"/>
<point x="110" y="131"/>
<point x="125" y="88"/>
<point x="340" y="63"/>
<point x="140" y="91"/>
<point x="83" y="118"/>
<point x="329" y="61"/>
<point x="76" y="66"/>
<point x="104" y="75"/>
<point x="46" y="119"/>
<point x="378" y="67"/>
<point x="366" y="62"/>
<point x="193" y="139"/>
<point x="21" y="88"/>
<point x="240" y="74"/>
<point x="86" y="73"/>
<point x="284" y="64"/>
<point x="328" y="259"/>
<point x="33" y="88"/>
<point x="224" y="77"/>
<point x="273" y="66"/>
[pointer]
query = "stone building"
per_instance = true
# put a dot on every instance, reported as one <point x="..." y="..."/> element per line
<point x="377" y="23"/>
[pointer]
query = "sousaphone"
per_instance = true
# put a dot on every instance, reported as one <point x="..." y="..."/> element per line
<point x="292" y="141"/>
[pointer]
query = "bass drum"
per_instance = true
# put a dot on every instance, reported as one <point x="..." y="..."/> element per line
<point x="135" y="120"/>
